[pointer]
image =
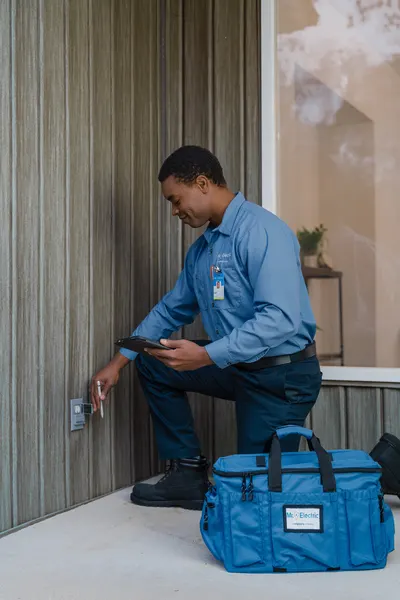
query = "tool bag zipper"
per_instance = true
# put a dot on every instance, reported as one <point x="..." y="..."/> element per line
<point x="381" y="508"/>
<point x="248" y="490"/>
<point x="205" y="520"/>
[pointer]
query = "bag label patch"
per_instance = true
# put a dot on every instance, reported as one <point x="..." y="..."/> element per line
<point x="303" y="519"/>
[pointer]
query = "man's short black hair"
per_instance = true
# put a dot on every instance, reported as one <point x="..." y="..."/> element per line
<point x="188" y="162"/>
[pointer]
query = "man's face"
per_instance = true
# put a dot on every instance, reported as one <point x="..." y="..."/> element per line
<point x="191" y="203"/>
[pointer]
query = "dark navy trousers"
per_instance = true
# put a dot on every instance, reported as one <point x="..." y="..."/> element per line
<point x="265" y="400"/>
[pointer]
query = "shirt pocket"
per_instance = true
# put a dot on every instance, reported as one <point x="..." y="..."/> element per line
<point x="233" y="291"/>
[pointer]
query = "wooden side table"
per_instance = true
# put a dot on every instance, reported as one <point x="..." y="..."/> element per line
<point x="325" y="273"/>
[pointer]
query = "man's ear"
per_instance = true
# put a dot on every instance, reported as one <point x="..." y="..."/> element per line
<point x="203" y="183"/>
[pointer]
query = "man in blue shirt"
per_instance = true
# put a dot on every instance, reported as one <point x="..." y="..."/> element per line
<point x="243" y="275"/>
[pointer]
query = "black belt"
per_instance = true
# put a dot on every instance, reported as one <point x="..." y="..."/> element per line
<point x="274" y="361"/>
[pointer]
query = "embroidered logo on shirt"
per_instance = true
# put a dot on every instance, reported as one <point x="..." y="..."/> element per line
<point x="223" y="257"/>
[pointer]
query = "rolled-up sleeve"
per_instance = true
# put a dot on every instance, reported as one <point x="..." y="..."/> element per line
<point x="272" y="265"/>
<point x="179" y="307"/>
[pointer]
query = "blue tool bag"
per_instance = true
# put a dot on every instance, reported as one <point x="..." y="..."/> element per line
<point x="298" y="511"/>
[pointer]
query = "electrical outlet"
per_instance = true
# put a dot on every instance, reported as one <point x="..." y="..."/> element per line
<point x="79" y="410"/>
<point x="77" y="414"/>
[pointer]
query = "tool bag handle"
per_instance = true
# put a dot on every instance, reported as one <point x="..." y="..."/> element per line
<point x="283" y="432"/>
<point x="328" y="480"/>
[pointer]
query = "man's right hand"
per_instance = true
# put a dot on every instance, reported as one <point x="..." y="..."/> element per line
<point x="108" y="378"/>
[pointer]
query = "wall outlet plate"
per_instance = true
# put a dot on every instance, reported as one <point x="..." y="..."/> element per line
<point x="79" y="410"/>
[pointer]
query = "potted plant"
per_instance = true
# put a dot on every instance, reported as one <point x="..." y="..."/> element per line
<point x="310" y="241"/>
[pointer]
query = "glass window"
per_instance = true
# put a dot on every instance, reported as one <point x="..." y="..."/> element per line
<point x="338" y="125"/>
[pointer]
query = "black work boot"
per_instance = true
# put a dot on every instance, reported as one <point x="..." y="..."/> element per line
<point x="184" y="484"/>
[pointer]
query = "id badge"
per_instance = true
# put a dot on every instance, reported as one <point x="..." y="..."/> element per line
<point x="219" y="285"/>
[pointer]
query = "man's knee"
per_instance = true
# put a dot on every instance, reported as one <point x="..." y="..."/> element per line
<point x="152" y="369"/>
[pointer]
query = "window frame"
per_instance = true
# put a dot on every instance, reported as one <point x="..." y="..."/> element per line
<point x="270" y="180"/>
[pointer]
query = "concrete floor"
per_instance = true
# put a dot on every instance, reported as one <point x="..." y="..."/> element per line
<point x="112" y="550"/>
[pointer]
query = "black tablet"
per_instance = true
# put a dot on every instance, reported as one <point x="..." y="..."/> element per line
<point x="138" y="344"/>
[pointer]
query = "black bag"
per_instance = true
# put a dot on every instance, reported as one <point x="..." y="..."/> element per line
<point x="387" y="454"/>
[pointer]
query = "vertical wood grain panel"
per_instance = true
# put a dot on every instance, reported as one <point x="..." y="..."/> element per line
<point x="91" y="8"/>
<point x="171" y="133"/>
<point x="123" y="468"/>
<point x="228" y="88"/>
<point x="144" y="191"/>
<point x="67" y="267"/>
<point x="41" y="259"/>
<point x="157" y="244"/>
<point x="343" y="417"/>
<point x="101" y="230"/>
<point x="364" y="418"/>
<point x="53" y="257"/>
<point x="138" y="404"/>
<point x="14" y="307"/>
<point x="326" y="421"/>
<point x="171" y="115"/>
<point x="197" y="129"/>
<point x="173" y="104"/>
<point x="27" y="189"/>
<point x="196" y="39"/>
<point x="391" y="411"/>
<point x="113" y="207"/>
<point x="252" y="101"/>
<point x="78" y="77"/>
<point x="5" y="267"/>
<point x="156" y="74"/>
<point x="229" y="138"/>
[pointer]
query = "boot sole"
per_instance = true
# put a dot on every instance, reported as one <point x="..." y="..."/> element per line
<point x="186" y="504"/>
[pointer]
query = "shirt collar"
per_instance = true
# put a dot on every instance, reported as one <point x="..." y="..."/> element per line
<point x="228" y="219"/>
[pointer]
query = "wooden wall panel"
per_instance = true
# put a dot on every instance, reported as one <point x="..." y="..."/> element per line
<point x="5" y="268"/>
<point x="237" y="133"/>
<point x="122" y="398"/>
<point x="170" y="137"/>
<point x="252" y="102"/>
<point x="171" y="128"/>
<point x="364" y="417"/>
<point x="78" y="218"/>
<point x="198" y="88"/>
<point x="26" y="297"/>
<point x="197" y="84"/>
<point x="145" y="162"/>
<point x="101" y="228"/>
<point x="52" y="264"/>
<point x="156" y="221"/>
<point x="95" y="94"/>
<point x="191" y="55"/>
<point x="327" y="417"/>
<point x="229" y="89"/>
<point x="391" y="411"/>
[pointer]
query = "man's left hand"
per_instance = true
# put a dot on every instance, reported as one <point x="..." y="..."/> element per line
<point x="183" y="356"/>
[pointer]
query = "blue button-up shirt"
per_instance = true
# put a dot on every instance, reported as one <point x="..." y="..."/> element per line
<point x="266" y="309"/>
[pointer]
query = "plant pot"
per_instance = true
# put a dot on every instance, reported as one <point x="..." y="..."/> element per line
<point x="310" y="260"/>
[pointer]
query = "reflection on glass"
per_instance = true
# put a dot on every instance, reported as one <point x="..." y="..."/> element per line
<point x="338" y="93"/>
